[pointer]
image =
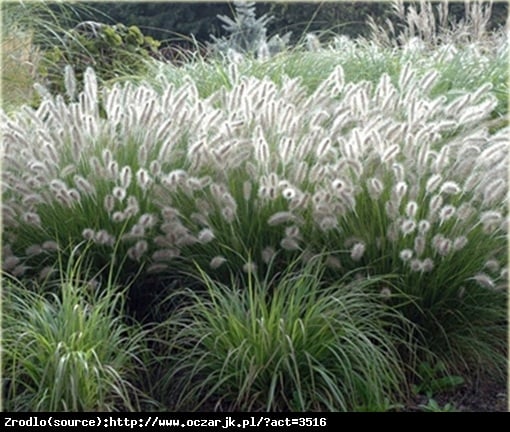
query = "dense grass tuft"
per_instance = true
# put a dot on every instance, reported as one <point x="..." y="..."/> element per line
<point x="71" y="349"/>
<point x="287" y="345"/>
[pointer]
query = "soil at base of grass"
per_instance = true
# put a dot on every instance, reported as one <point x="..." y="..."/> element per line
<point x="485" y="396"/>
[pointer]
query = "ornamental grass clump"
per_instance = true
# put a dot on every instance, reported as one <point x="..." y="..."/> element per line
<point x="466" y="52"/>
<point x="384" y="178"/>
<point x="68" y="347"/>
<point x="427" y="24"/>
<point x="291" y="345"/>
<point x="18" y="71"/>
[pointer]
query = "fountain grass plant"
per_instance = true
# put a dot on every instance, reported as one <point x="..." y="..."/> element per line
<point x="67" y="345"/>
<point x="385" y="178"/>
<point x="460" y="68"/>
<point x="286" y="343"/>
<point x="466" y="55"/>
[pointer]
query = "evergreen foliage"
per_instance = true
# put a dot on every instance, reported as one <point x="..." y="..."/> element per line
<point x="248" y="34"/>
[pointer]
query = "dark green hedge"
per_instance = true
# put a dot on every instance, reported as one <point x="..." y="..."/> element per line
<point x="168" y="20"/>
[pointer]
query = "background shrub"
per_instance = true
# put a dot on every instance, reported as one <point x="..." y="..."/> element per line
<point x="200" y="18"/>
<point x="113" y="51"/>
